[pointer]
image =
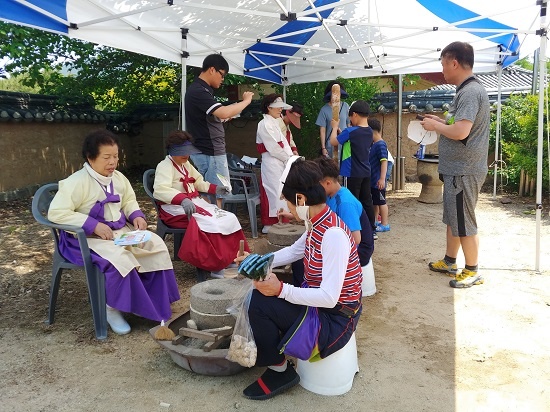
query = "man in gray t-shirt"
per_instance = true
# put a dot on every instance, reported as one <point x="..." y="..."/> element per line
<point x="463" y="148"/>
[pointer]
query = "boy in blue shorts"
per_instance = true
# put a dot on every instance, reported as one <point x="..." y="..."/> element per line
<point x="354" y="156"/>
<point x="378" y="159"/>
<point x="342" y="202"/>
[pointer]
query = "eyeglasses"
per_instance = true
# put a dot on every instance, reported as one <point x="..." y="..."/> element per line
<point x="221" y="73"/>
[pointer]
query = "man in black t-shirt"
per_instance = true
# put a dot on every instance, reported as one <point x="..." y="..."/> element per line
<point x="204" y="116"/>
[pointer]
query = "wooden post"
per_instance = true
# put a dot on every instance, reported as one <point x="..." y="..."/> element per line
<point x="532" y="187"/>
<point x="335" y="103"/>
<point x="521" y="182"/>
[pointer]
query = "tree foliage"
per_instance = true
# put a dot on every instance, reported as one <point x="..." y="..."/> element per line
<point x="15" y="84"/>
<point x="114" y="79"/>
<point x="519" y="134"/>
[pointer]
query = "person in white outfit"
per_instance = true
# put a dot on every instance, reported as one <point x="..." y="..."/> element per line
<point x="275" y="150"/>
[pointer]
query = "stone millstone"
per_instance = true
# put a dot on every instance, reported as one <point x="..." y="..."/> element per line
<point x="285" y="234"/>
<point x="210" y="300"/>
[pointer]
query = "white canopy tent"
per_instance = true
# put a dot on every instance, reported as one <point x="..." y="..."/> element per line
<point x="302" y="41"/>
<point x="296" y="41"/>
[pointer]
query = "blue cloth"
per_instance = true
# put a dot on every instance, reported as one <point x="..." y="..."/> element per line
<point x="351" y="211"/>
<point x="354" y="157"/>
<point x="378" y="152"/>
<point x="388" y="172"/>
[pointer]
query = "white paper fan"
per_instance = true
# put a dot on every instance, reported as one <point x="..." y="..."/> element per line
<point x="420" y="135"/>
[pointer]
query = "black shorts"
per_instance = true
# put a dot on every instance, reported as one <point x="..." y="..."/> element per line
<point x="378" y="196"/>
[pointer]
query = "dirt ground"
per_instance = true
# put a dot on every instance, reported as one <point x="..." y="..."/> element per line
<point x="422" y="346"/>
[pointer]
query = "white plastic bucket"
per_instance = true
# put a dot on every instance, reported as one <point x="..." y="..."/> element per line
<point x="368" y="285"/>
<point x="332" y="375"/>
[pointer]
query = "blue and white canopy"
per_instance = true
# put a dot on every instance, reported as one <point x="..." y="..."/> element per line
<point x="298" y="41"/>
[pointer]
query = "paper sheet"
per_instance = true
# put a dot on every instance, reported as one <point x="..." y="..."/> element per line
<point x="224" y="181"/>
<point x="249" y="160"/>
<point x="133" y="238"/>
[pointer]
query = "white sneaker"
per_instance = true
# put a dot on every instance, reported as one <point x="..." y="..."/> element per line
<point x="117" y="323"/>
<point x="265" y="229"/>
<point x="217" y="275"/>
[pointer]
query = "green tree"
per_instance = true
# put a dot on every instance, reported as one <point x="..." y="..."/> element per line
<point x="14" y="84"/>
<point x="114" y="79"/>
<point x="519" y="130"/>
<point x="61" y="66"/>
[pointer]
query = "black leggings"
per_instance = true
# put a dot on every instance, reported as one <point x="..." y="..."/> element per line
<point x="270" y="319"/>
<point x="360" y="188"/>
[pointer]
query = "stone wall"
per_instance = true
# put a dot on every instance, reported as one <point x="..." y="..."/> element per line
<point x="33" y="153"/>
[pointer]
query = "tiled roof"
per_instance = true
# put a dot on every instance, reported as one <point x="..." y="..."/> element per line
<point x="437" y="98"/>
<point x="27" y="107"/>
<point x="513" y="78"/>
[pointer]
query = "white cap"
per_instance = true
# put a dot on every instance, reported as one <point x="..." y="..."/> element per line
<point x="279" y="103"/>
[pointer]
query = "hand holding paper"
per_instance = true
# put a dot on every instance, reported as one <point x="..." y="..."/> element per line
<point x="223" y="180"/>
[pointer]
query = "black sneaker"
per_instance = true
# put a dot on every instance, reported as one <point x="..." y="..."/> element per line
<point x="272" y="383"/>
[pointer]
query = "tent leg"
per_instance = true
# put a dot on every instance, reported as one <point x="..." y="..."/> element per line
<point x="542" y="76"/>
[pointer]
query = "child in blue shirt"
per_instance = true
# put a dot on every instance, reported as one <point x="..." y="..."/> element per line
<point x="378" y="158"/>
<point x="342" y="202"/>
<point x="354" y="157"/>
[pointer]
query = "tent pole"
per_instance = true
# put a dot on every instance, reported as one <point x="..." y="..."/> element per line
<point x="542" y="75"/>
<point x="534" y="83"/>
<point x="184" y="55"/>
<point x="183" y="90"/>
<point x="399" y="182"/>
<point x="497" y="132"/>
<point x="284" y="82"/>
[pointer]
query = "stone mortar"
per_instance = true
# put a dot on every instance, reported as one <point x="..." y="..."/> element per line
<point x="210" y="300"/>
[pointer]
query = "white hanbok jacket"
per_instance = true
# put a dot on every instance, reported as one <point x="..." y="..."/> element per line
<point x="273" y="161"/>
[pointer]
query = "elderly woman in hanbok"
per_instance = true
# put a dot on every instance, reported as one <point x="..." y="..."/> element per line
<point x="138" y="279"/>
<point x="213" y="235"/>
<point x="275" y="150"/>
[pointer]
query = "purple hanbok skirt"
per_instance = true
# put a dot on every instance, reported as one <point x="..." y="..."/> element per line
<point x="146" y="294"/>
